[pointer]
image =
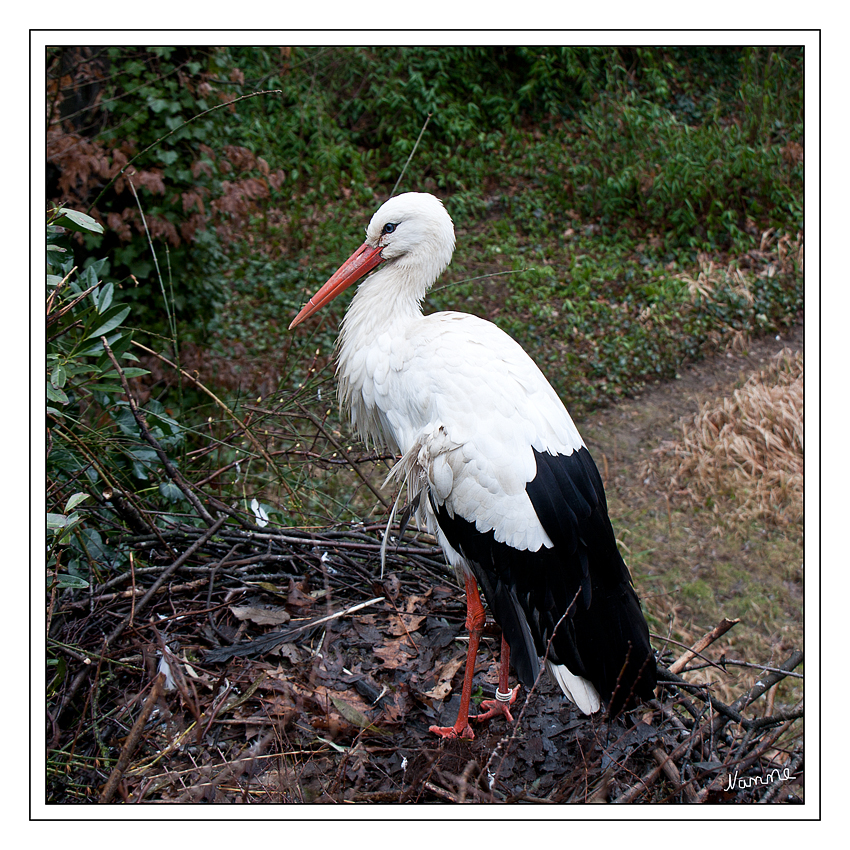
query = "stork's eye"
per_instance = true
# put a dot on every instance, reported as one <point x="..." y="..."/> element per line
<point x="389" y="228"/>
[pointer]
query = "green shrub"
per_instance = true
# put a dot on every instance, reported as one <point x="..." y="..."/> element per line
<point x="131" y="138"/>
<point x="95" y="448"/>
<point x="687" y="149"/>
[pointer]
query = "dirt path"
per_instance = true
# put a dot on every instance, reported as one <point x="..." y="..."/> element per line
<point x="637" y="425"/>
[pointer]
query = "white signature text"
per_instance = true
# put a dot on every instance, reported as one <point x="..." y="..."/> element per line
<point x="735" y="782"/>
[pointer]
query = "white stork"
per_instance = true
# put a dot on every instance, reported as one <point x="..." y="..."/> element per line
<point x="495" y="467"/>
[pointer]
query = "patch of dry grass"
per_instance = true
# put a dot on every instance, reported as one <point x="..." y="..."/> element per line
<point x="742" y="455"/>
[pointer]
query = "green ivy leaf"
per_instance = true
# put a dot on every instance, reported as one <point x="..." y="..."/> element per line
<point x="105" y="387"/>
<point x="73" y="582"/>
<point x="59" y="376"/>
<point x="104" y="298"/>
<point x="97" y="346"/>
<point x="171" y="491"/>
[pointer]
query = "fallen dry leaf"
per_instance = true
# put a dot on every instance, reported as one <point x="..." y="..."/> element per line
<point x="401" y="624"/>
<point x="291" y="652"/>
<point x="392" y="586"/>
<point x="297" y="597"/>
<point x="394" y="653"/>
<point x="444" y="683"/>
<point x="492" y="674"/>
<point x="262" y="615"/>
<point x="413" y="602"/>
<point x="355" y="717"/>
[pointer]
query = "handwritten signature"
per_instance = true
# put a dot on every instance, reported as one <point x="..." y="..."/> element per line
<point x="736" y="783"/>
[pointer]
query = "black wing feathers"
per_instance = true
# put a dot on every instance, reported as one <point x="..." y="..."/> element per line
<point x="493" y="565"/>
<point x="604" y="637"/>
<point x="607" y="631"/>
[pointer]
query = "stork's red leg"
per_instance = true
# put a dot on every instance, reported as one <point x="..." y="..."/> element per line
<point x="475" y="623"/>
<point x="504" y="696"/>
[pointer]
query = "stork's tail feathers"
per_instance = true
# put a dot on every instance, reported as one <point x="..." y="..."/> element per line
<point x="577" y="689"/>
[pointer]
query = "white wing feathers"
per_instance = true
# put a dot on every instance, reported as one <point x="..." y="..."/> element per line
<point x="474" y="405"/>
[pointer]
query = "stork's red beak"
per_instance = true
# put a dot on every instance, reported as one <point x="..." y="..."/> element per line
<point x="363" y="260"/>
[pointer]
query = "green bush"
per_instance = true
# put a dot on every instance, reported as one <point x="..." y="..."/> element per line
<point x="697" y="185"/>
<point x="95" y="449"/>
<point x="688" y="150"/>
<point x="134" y="137"/>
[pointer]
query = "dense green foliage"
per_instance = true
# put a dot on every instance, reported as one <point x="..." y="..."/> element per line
<point x="95" y="449"/>
<point x="589" y="187"/>
<point x="687" y="143"/>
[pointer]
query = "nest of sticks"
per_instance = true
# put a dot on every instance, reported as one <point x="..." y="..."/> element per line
<point x="250" y="664"/>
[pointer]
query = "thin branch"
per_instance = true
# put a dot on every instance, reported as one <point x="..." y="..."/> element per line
<point x="269" y="641"/>
<point x="335" y="443"/>
<point x="139" y="416"/>
<point x="210" y="532"/>
<point x="53" y="317"/>
<point x="248" y="433"/>
<point x="132" y="741"/>
<point x="720" y="629"/>
<point x="728" y="662"/>
<point x="416" y="145"/>
<point x="713" y="726"/>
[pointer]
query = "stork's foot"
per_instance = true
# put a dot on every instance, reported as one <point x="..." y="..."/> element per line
<point x="456" y="731"/>
<point x="498" y="707"/>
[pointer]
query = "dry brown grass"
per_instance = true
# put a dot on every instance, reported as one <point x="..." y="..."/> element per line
<point x="742" y="455"/>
